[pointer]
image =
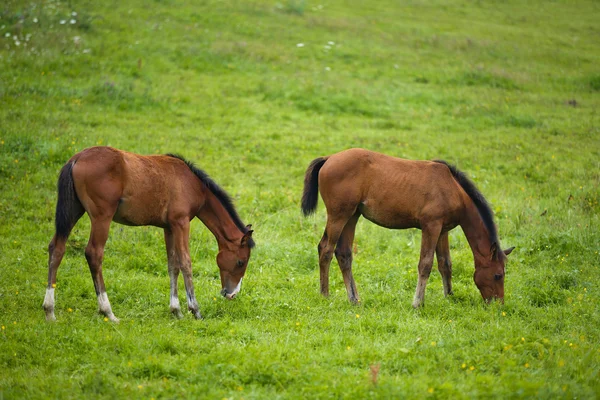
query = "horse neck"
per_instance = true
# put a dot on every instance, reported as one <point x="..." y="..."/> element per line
<point x="475" y="231"/>
<point x="216" y="218"/>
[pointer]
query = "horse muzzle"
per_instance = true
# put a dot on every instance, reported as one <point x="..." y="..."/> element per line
<point x="231" y="295"/>
<point x="489" y="300"/>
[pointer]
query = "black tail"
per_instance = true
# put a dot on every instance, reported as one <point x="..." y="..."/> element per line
<point x="480" y="202"/>
<point x="310" y="196"/>
<point x="68" y="206"/>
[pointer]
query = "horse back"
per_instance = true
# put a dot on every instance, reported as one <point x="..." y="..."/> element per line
<point x="390" y="191"/>
<point x="135" y="189"/>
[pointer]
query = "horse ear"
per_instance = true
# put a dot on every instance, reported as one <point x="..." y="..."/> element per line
<point x="508" y="251"/>
<point x="249" y="226"/>
<point x="246" y="238"/>
<point x="494" y="251"/>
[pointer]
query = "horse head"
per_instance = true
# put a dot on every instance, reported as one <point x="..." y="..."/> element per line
<point x="232" y="262"/>
<point x="489" y="273"/>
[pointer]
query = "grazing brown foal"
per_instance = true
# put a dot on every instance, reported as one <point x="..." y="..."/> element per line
<point x="398" y="194"/>
<point x="164" y="191"/>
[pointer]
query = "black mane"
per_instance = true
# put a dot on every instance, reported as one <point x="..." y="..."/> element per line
<point x="481" y="203"/>
<point x="221" y="194"/>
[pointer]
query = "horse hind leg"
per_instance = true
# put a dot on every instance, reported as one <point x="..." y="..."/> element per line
<point x="327" y="245"/>
<point x="442" y="252"/>
<point x="94" y="253"/>
<point x="324" y="265"/>
<point x="429" y="239"/>
<point x="343" y="253"/>
<point x="56" y="251"/>
<point x="68" y="211"/>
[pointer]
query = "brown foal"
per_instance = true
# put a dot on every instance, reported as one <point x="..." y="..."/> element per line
<point x="164" y="191"/>
<point x="398" y="194"/>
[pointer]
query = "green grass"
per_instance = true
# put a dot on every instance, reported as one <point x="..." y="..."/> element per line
<point x="507" y="90"/>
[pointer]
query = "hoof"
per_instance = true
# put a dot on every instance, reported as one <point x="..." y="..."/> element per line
<point x="417" y="304"/>
<point x="114" y="319"/>
<point x="111" y="317"/>
<point x="195" y="312"/>
<point x="50" y="317"/>
<point x="177" y="313"/>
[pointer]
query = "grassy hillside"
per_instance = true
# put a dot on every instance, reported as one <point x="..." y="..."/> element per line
<point x="252" y="91"/>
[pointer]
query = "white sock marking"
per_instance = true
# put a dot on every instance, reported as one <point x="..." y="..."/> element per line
<point x="49" y="299"/>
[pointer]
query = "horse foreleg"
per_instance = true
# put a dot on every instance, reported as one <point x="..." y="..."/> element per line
<point x="56" y="251"/>
<point x="186" y="269"/>
<point x="180" y="236"/>
<point x="429" y="239"/>
<point x="173" y="266"/>
<point x="343" y="253"/>
<point x="442" y="252"/>
<point x="94" y="253"/>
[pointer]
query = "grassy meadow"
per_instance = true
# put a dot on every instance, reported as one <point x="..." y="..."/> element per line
<point x="252" y="91"/>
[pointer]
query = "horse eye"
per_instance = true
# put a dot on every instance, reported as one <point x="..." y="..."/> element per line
<point x="240" y="263"/>
<point x="497" y="277"/>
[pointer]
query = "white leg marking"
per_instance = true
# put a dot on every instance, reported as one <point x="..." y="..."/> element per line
<point x="104" y="307"/>
<point x="174" y="303"/>
<point x="419" y="293"/>
<point x="49" y="304"/>
<point x="174" y="299"/>
<point x="49" y="299"/>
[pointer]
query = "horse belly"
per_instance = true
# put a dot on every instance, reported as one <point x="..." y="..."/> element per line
<point x="141" y="210"/>
<point x="388" y="218"/>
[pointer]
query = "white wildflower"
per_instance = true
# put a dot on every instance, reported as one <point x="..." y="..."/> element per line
<point x="300" y="45"/>
<point x="74" y="14"/>
<point x="17" y="43"/>
<point x="35" y="20"/>
<point x="77" y="39"/>
<point x="331" y="43"/>
<point x="7" y="34"/>
<point x="63" y="21"/>
<point x="86" y="51"/>
<point x="327" y="69"/>
<point x="72" y="21"/>
<point x="327" y="47"/>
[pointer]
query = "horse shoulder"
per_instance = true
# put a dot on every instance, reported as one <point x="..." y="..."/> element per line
<point x="186" y="189"/>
